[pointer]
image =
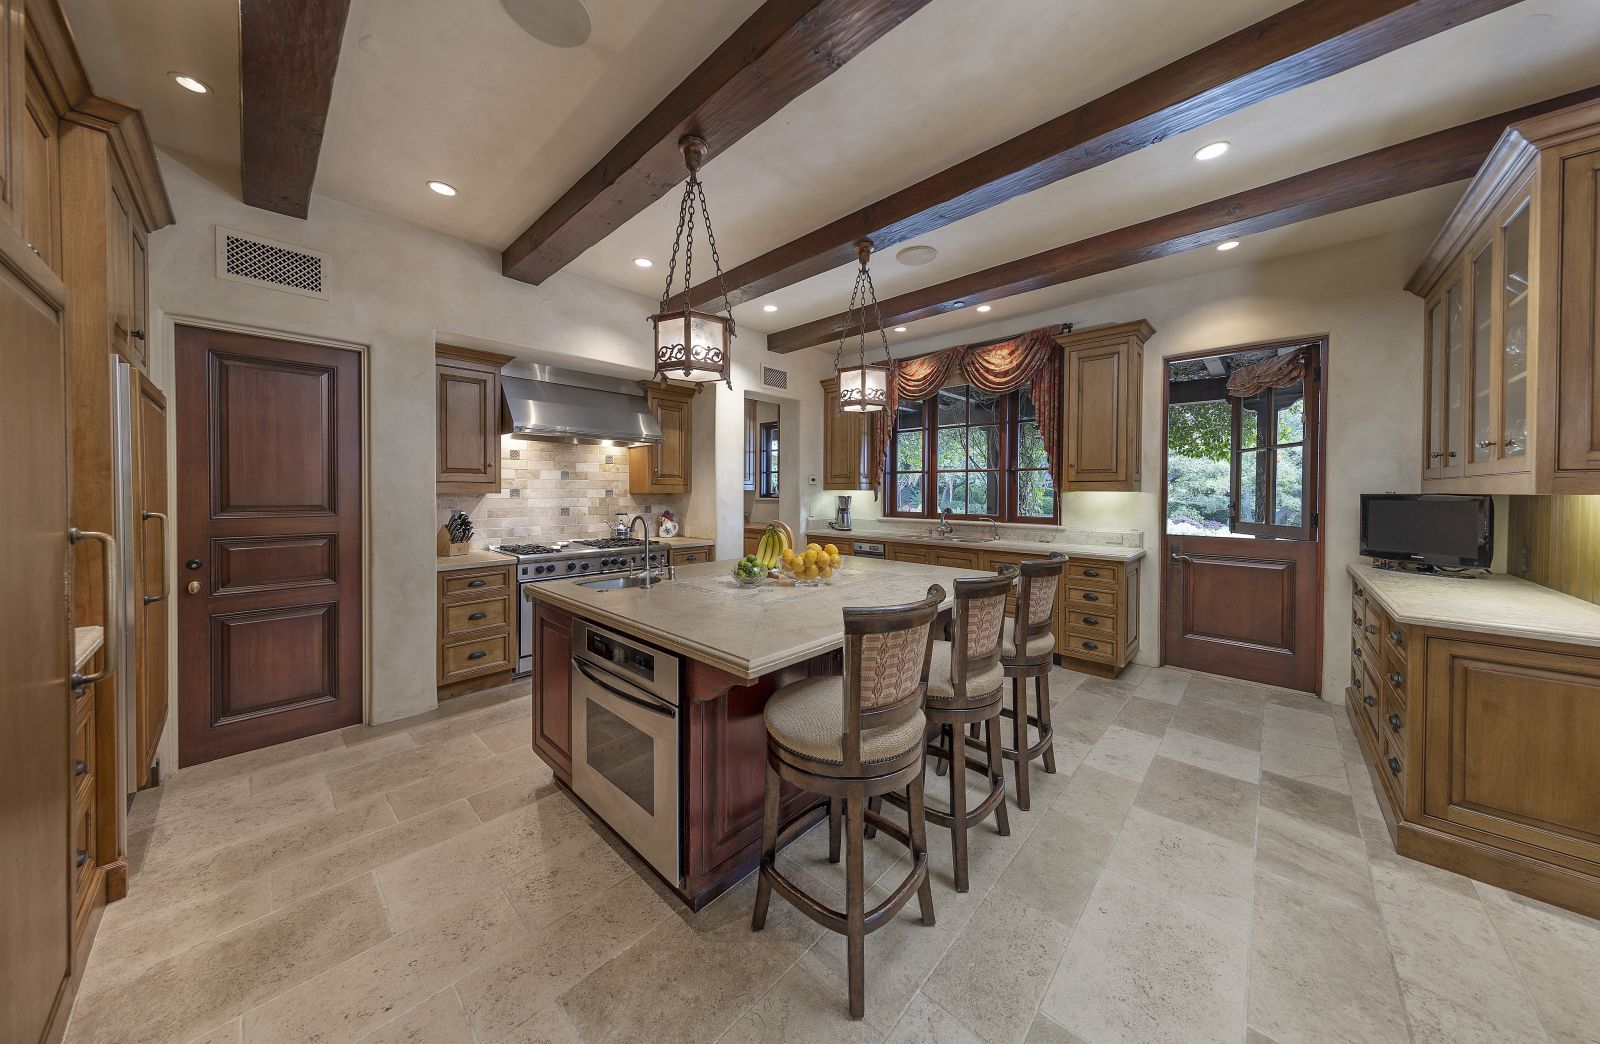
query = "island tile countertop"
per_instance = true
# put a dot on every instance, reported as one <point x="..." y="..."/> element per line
<point x="86" y="641"/>
<point x="748" y="632"/>
<point x="1493" y="604"/>
<point x="475" y="559"/>
<point x="1111" y="552"/>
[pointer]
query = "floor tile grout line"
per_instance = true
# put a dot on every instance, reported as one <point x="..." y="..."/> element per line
<point x="1516" y="965"/>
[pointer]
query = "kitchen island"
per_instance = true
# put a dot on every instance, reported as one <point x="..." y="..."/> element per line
<point x="731" y="648"/>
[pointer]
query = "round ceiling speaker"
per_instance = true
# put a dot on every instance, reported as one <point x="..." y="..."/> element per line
<point x="559" y="23"/>
<point x="916" y="255"/>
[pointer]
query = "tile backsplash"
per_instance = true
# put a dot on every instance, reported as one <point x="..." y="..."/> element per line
<point x="551" y="491"/>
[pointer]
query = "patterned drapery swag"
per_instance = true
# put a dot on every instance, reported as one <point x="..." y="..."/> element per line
<point x="1032" y="360"/>
<point x="1280" y="371"/>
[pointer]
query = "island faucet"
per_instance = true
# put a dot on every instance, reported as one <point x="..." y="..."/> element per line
<point x="639" y="519"/>
<point x="996" y="526"/>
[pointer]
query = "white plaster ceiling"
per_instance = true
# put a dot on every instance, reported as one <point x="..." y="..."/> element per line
<point x="455" y="91"/>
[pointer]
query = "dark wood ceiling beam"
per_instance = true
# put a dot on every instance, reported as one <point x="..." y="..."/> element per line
<point x="288" y="54"/>
<point x="1312" y="40"/>
<point x="1421" y="163"/>
<point x="780" y="52"/>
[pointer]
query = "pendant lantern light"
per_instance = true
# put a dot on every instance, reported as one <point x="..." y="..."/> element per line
<point x="691" y="345"/>
<point x="864" y="387"/>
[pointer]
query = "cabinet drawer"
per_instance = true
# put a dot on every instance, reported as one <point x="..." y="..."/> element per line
<point x="477" y="615"/>
<point x="1372" y="628"/>
<point x="82" y="852"/>
<point x="1090" y="647"/>
<point x="1091" y="622"/>
<point x="1369" y="691"/>
<point x="688" y="557"/>
<point x="476" y="581"/>
<point x="1394" y="725"/>
<point x="1093" y="574"/>
<point x="478" y="656"/>
<point x="1396" y="679"/>
<point x="1394" y="640"/>
<point x="1394" y="761"/>
<point x="1100" y="598"/>
<point x="81" y="763"/>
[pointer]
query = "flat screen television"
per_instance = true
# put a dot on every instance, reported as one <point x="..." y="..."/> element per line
<point x="1429" y="529"/>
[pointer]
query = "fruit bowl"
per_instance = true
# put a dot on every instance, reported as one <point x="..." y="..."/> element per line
<point x="811" y="566"/>
<point x="748" y="581"/>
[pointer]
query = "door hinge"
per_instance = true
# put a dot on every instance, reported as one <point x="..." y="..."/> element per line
<point x="1316" y="373"/>
<point x="1316" y="519"/>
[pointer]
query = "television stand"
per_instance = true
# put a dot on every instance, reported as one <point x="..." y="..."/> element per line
<point x="1423" y="569"/>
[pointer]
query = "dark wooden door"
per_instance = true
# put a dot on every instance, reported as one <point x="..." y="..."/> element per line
<point x="154" y="582"/>
<point x="269" y="541"/>
<point x="35" y="700"/>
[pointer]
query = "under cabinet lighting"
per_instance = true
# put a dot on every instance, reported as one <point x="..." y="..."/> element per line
<point x="644" y="262"/>
<point x="189" y="83"/>
<point x="1229" y="245"/>
<point x="443" y="188"/>
<point x="1212" y="151"/>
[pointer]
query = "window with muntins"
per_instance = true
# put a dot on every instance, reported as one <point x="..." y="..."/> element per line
<point x="974" y="454"/>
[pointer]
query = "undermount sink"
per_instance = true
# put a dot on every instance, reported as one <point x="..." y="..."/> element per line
<point x="617" y="583"/>
<point x="957" y="538"/>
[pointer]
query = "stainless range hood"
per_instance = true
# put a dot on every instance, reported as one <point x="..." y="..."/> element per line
<point x="566" y="406"/>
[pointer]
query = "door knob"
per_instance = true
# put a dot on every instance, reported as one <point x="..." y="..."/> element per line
<point x="194" y="587"/>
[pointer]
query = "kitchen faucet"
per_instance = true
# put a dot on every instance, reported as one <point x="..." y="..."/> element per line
<point x="646" y="526"/>
<point x="944" y="528"/>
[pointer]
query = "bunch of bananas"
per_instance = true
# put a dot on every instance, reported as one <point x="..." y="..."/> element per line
<point x="816" y="563"/>
<point x="773" y="546"/>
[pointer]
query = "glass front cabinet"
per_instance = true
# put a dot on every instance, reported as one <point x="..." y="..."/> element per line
<point x="1510" y="347"/>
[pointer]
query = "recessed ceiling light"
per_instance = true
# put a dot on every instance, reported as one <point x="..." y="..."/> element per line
<point x="983" y="308"/>
<point x="916" y="255"/>
<point x="644" y="262"/>
<point x="1229" y="245"/>
<point x="443" y="188"/>
<point x="899" y="329"/>
<point x="1212" y="151"/>
<point x="958" y="304"/>
<point x="769" y="308"/>
<point x="189" y="83"/>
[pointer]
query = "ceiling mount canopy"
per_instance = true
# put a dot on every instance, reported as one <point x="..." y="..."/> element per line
<point x="693" y="346"/>
<point x="864" y="387"/>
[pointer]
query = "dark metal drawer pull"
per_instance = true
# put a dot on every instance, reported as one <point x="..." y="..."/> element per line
<point x="1091" y="572"/>
<point x="1370" y="700"/>
<point x="1091" y="621"/>
<point x="81" y="858"/>
<point x="480" y="654"/>
<point x="1091" y="646"/>
<point x="1356" y="652"/>
<point x="79" y="767"/>
<point x="1396" y="636"/>
<point x="1090" y="596"/>
<point x="1394" y="765"/>
<point x="477" y="616"/>
<point x="1395" y="723"/>
<point x="1372" y="628"/>
<point x="478" y="583"/>
<point x="1395" y="679"/>
<point x="1357" y="682"/>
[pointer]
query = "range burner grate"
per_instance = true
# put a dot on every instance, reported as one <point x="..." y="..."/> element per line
<point x="526" y="549"/>
<point x="610" y="543"/>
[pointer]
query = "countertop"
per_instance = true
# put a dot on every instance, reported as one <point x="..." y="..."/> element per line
<point x="479" y="557"/>
<point x="1493" y="604"/>
<point x="748" y="632"/>
<point x="86" y="641"/>
<point x="1110" y="552"/>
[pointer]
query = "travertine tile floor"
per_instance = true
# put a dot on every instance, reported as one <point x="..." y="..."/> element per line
<point x="1208" y="865"/>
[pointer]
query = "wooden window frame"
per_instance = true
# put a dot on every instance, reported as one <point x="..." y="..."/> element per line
<point x="1010" y="427"/>
<point x="767" y="461"/>
<point x="1269" y="449"/>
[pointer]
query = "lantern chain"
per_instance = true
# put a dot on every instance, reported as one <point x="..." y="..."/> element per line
<point x="716" y="259"/>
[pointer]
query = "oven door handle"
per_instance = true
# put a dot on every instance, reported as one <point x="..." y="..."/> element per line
<point x="656" y="707"/>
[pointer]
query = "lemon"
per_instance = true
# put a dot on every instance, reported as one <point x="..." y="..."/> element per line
<point x="812" y="572"/>
<point x="814" y="547"/>
<point x="827" y="573"/>
<point x="831" y="550"/>
<point x="834" y="560"/>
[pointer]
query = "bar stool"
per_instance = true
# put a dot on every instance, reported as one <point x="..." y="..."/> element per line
<point x="1028" y="652"/>
<point x="966" y="689"/>
<point x="854" y="738"/>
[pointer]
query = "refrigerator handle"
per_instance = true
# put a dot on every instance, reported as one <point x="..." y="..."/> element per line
<point x="113" y="623"/>
<point x="166" y="586"/>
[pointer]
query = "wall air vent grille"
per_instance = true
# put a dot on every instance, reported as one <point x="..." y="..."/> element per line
<point x="244" y="258"/>
<point x="774" y="378"/>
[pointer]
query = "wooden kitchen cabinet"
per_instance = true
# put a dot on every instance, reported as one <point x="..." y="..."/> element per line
<point x="468" y="404"/>
<point x="1510" y="347"/>
<point x="1101" y="410"/>
<point x="13" y="64"/>
<point x="665" y="468"/>
<point x="152" y="538"/>
<point x="552" y="689"/>
<point x="477" y="629"/>
<point x="844" y="443"/>
<point x="41" y="173"/>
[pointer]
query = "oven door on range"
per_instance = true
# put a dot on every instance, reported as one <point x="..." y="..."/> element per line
<point x="625" y="761"/>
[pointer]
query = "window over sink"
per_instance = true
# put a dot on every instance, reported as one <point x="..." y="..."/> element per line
<point x="975" y="454"/>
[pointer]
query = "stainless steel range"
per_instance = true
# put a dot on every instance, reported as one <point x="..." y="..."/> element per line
<point x="537" y="563"/>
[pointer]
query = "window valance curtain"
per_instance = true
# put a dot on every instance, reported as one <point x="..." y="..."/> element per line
<point x="1280" y="371"/>
<point x="1032" y="360"/>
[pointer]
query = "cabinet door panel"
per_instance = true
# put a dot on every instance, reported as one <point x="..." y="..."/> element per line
<point x="469" y="447"/>
<point x="552" y="689"/>
<point x="1579" y="337"/>
<point x="843" y="443"/>
<point x="41" y="176"/>
<point x="12" y="64"/>
<point x="672" y="456"/>
<point x="1482" y="450"/>
<point x="1510" y="744"/>
<point x="1455" y="389"/>
<point x="1512" y="335"/>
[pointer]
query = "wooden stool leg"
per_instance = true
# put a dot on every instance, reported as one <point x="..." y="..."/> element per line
<point x="855" y="899"/>
<point x="769" y="851"/>
<point x="958" y="805"/>
<point x="997" y="775"/>
<point x="876" y="805"/>
<point x="1041" y="689"/>
<point x="835" y="816"/>
<point x="940" y="764"/>
<point x="919" y="844"/>
<point x="1019" y="738"/>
